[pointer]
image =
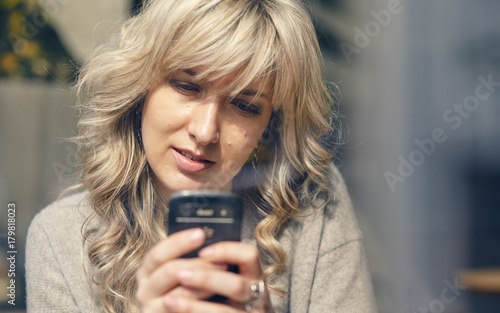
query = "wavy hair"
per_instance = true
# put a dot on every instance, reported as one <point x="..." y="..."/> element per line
<point x="270" y="39"/>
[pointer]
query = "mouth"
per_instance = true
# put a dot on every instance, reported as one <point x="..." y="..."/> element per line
<point x="190" y="156"/>
<point x="191" y="163"/>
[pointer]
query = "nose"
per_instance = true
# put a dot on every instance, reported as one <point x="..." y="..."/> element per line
<point x="204" y="124"/>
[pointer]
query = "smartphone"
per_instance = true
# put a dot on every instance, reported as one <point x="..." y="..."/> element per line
<point x="218" y="213"/>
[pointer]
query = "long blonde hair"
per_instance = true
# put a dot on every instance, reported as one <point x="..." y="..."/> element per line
<point x="270" y="39"/>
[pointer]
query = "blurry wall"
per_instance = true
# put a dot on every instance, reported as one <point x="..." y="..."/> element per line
<point x="421" y="86"/>
<point x="42" y="43"/>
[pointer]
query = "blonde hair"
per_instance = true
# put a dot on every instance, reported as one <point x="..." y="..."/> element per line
<point x="273" y="40"/>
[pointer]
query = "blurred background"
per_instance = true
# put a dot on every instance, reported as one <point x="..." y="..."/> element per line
<point x="420" y="89"/>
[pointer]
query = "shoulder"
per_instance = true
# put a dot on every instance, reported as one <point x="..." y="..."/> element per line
<point x="61" y="218"/>
<point x="335" y="219"/>
<point x="65" y="208"/>
<point x="339" y="209"/>
<point x="56" y="263"/>
<point x="326" y="253"/>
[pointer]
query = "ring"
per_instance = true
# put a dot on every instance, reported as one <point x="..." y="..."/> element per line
<point x="258" y="289"/>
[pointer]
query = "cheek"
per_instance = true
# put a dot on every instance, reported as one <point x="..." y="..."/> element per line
<point x="151" y="133"/>
<point x="243" y="146"/>
<point x="159" y="123"/>
<point x="250" y="139"/>
<point x="153" y="129"/>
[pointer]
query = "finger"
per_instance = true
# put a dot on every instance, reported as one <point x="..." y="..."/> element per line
<point x="245" y="255"/>
<point x="199" y="293"/>
<point x="187" y="292"/>
<point x="164" y="278"/>
<point x="233" y="286"/>
<point x="181" y="305"/>
<point x="175" y="246"/>
<point x="157" y="306"/>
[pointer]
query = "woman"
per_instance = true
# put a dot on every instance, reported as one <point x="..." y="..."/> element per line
<point x="192" y="92"/>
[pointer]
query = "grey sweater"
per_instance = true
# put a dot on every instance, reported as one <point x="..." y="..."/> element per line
<point x="326" y="269"/>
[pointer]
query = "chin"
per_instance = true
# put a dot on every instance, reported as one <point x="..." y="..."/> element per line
<point x="182" y="182"/>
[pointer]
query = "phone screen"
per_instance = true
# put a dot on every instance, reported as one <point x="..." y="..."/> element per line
<point x="218" y="213"/>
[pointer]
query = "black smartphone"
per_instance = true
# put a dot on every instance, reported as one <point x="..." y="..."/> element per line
<point x="218" y="213"/>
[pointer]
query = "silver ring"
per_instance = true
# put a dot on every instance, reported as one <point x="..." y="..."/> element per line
<point x="258" y="289"/>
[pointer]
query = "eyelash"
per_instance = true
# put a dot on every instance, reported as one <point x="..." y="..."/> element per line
<point x="185" y="87"/>
<point x="245" y="107"/>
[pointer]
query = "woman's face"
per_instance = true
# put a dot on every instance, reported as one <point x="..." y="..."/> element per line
<point x="195" y="137"/>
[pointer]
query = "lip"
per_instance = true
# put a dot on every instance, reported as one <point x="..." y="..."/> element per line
<point x="186" y="164"/>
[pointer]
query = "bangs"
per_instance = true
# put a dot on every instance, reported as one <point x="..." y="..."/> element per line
<point x="219" y="38"/>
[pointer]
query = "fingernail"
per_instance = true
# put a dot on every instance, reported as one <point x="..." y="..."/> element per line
<point x="185" y="274"/>
<point x="196" y="235"/>
<point x="220" y="267"/>
<point x="206" y="252"/>
<point x="171" y="302"/>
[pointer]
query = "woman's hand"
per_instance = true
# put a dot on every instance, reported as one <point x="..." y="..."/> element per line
<point x="158" y="273"/>
<point x="236" y="287"/>
<point x="167" y="283"/>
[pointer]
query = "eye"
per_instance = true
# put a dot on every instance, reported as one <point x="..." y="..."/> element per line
<point x="185" y="87"/>
<point x="245" y="107"/>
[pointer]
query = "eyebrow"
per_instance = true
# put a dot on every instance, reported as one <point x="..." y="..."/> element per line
<point x="245" y="92"/>
<point x="190" y="72"/>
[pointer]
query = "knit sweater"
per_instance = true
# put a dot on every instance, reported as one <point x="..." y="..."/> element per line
<point x="326" y="269"/>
